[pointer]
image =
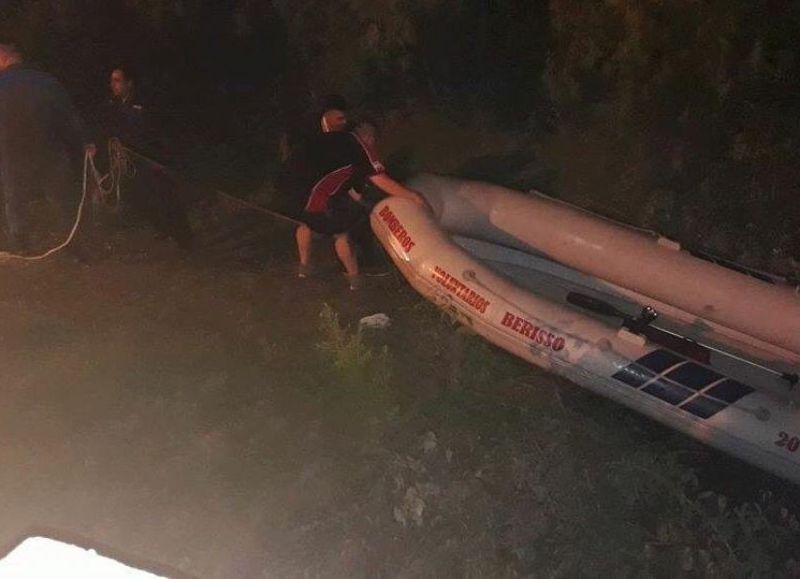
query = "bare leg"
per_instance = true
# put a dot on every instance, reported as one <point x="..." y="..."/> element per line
<point x="344" y="251"/>
<point x="303" y="237"/>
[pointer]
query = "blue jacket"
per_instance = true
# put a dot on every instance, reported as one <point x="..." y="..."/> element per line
<point x="38" y="122"/>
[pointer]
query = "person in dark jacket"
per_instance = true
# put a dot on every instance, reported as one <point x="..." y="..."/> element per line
<point x="123" y="115"/>
<point x="41" y="141"/>
<point x="151" y="193"/>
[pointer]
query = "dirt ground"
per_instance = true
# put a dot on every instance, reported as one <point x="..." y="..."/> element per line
<point x="148" y="404"/>
<point x="172" y="409"/>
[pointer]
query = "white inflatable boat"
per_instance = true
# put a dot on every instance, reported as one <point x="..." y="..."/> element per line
<point x="704" y="346"/>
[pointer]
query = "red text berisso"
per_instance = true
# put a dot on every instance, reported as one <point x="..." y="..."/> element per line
<point x="536" y="334"/>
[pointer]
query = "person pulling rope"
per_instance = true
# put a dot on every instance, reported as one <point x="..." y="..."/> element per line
<point x="108" y="186"/>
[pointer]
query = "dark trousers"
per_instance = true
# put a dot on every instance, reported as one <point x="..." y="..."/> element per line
<point x="22" y="180"/>
<point x="153" y="196"/>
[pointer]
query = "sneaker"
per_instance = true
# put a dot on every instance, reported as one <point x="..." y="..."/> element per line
<point x="356" y="282"/>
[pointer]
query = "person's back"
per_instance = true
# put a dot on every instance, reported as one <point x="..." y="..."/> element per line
<point x="322" y="190"/>
<point x="37" y="122"/>
<point x="331" y="164"/>
<point x="40" y="144"/>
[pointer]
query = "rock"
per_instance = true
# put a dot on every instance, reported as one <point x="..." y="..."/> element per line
<point x="429" y="442"/>
<point x="375" y="322"/>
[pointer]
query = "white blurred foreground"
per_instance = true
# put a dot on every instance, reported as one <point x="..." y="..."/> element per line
<point x="41" y="558"/>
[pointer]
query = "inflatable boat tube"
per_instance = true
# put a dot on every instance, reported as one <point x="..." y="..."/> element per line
<point x="514" y="268"/>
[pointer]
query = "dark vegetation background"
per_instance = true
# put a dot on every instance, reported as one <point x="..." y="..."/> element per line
<point x="681" y="115"/>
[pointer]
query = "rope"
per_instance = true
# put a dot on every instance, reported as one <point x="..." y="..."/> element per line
<point x="108" y="185"/>
<point x="87" y="162"/>
<point x="120" y="167"/>
<point x="228" y="197"/>
<point x="258" y="208"/>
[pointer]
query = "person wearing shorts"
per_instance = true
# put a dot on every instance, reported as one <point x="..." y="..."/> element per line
<point x="323" y="183"/>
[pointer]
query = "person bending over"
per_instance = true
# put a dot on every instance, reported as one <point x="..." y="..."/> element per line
<point x="322" y="179"/>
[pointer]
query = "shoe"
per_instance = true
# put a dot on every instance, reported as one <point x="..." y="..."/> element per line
<point x="303" y="270"/>
<point x="356" y="282"/>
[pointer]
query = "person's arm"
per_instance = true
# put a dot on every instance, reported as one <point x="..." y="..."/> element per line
<point x="392" y="187"/>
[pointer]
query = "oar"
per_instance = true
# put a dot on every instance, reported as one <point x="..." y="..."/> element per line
<point x="641" y="325"/>
<point x="675" y="342"/>
<point x="604" y="308"/>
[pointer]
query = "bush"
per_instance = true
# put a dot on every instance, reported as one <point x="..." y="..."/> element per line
<point x="357" y="379"/>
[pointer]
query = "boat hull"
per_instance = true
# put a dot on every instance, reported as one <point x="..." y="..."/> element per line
<point x="703" y="402"/>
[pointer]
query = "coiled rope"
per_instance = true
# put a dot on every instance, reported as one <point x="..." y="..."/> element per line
<point x="119" y="167"/>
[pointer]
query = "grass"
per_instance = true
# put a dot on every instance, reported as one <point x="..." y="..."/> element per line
<point x="356" y="381"/>
<point x="515" y="473"/>
<point x="509" y="472"/>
